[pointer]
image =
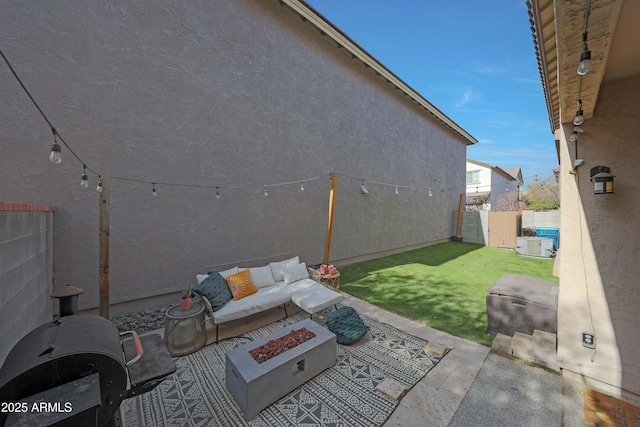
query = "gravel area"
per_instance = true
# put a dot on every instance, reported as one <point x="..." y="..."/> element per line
<point x="142" y="321"/>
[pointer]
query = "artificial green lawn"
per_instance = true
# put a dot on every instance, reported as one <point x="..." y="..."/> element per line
<point x="443" y="286"/>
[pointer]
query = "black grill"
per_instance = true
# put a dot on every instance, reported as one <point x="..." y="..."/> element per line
<point x="76" y="371"/>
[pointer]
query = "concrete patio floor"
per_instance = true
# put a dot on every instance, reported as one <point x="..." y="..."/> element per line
<point x="470" y="386"/>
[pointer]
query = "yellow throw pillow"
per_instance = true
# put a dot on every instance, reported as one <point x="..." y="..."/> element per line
<point x="241" y="284"/>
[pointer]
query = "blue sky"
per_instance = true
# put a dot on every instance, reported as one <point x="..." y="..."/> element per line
<point x="473" y="59"/>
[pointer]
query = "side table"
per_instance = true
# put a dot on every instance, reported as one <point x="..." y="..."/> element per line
<point x="332" y="281"/>
<point x="184" y="330"/>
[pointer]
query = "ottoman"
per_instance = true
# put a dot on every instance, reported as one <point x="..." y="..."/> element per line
<point x="347" y="325"/>
<point x="312" y="296"/>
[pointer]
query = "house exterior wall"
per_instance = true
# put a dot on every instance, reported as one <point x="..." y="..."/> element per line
<point x="490" y="181"/>
<point x="600" y="246"/>
<point x="217" y="93"/>
<point x="26" y="258"/>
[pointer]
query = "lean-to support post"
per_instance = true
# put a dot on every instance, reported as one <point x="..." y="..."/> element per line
<point x="332" y="198"/>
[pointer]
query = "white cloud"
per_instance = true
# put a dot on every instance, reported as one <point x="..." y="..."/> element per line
<point x="468" y="95"/>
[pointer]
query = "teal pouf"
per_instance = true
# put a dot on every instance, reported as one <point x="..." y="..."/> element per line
<point x="347" y="325"/>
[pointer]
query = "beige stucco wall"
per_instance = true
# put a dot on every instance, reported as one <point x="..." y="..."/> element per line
<point x="600" y="244"/>
<point x="216" y="93"/>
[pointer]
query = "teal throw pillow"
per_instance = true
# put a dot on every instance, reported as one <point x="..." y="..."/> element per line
<point x="215" y="289"/>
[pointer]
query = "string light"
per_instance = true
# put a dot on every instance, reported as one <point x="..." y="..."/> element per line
<point x="363" y="189"/>
<point x="84" y="180"/>
<point x="585" y="66"/>
<point x="56" y="152"/>
<point x="579" y="119"/>
<point x="154" y="193"/>
<point x="56" y="157"/>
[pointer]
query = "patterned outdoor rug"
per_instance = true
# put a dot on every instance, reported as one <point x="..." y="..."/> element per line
<point x="343" y="395"/>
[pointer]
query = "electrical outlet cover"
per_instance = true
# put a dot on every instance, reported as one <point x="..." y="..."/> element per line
<point x="588" y="340"/>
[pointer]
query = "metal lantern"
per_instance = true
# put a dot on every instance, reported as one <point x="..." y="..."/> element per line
<point x="602" y="180"/>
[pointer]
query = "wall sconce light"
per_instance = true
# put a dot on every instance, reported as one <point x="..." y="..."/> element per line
<point x="602" y="180"/>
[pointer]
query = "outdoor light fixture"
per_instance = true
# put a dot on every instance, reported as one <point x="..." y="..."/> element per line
<point x="579" y="119"/>
<point x="154" y="193"/>
<point x="396" y="189"/>
<point x="217" y="193"/>
<point x="266" y="193"/>
<point x="574" y="136"/>
<point x="99" y="186"/>
<point x="56" y="156"/>
<point x="585" y="66"/>
<point x="84" y="180"/>
<point x="302" y="186"/>
<point x="363" y="189"/>
<point x="602" y="180"/>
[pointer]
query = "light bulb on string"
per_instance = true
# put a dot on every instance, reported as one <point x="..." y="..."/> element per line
<point x="154" y="193"/>
<point x="574" y="136"/>
<point x="585" y="66"/>
<point x="217" y="193"/>
<point x="99" y="186"/>
<point x="84" y="180"/>
<point x="430" y="193"/>
<point x="396" y="189"/>
<point x="266" y="193"/>
<point x="56" y="152"/>
<point x="302" y="186"/>
<point x="579" y="119"/>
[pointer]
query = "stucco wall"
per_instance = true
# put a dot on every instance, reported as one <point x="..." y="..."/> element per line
<point x="217" y="93"/>
<point x="26" y="256"/>
<point x="600" y="245"/>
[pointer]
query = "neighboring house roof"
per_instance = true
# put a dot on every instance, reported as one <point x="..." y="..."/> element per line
<point x="326" y="28"/>
<point x="498" y="170"/>
<point x="516" y="173"/>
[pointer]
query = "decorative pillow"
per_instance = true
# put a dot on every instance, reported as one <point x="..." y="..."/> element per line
<point x="277" y="267"/>
<point x="295" y="273"/>
<point x="215" y="289"/>
<point x="241" y="284"/>
<point x="262" y="276"/>
<point x="224" y="274"/>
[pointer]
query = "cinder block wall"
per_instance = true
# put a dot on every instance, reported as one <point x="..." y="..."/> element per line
<point x="26" y="259"/>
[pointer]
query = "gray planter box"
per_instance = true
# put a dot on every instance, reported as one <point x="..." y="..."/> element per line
<point x="254" y="386"/>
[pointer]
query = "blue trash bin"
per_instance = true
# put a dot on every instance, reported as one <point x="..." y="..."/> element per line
<point x="549" y="233"/>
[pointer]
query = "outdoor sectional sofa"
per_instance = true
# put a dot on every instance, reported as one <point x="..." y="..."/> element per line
<point x="280" y="279"/>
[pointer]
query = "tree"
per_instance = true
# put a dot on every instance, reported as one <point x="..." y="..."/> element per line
<point x="543" y="195"/>
<point x="509" y="202"/>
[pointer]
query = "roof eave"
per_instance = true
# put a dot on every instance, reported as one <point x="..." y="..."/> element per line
<point x="326" y="28"/>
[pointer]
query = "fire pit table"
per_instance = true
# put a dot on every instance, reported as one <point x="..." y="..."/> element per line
<point x="254" y="386"/>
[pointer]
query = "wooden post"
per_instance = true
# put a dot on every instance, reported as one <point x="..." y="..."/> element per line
<point x="458" y="236"/>
<point x="332" y="198"/>
<point x="104" y="248"/>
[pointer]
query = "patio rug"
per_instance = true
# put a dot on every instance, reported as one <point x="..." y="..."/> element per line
<point x="343" y="395"/>
<point x="606" y="411"/>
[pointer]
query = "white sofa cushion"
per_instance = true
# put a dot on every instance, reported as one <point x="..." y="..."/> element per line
<point x="294" y="273"/>
<point x="262" y="276"/>
<point x="277" y="267"/>
<point x="262" y="300"/>
<point x="312" y="296"/>
<point x="225" y="274"/>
